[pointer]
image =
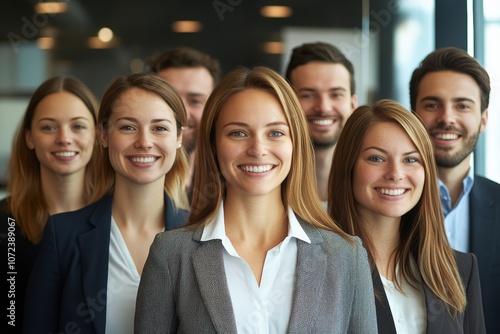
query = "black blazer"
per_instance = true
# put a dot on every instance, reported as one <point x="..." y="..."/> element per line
<point x="24" y="254"/>
<point x="484" y="224"/>
<point x="438" y="319"/>
<point x="67" y="289"/>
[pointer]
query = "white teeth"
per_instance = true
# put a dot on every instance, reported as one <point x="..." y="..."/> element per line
<point x="391" y="192"/>
<point x="322" y="121"/>
<point x="256" y="169"/>
<point x="143" y="160"/>
<point x="446" y="136"/>
<point x="65" y="154"/>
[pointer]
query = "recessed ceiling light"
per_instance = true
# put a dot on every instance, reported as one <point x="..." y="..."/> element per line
<point x="105" y="34"/>
<point x="274" y="47"/>
<point x="97" y="43"/>
<point x="186" y="26"/>
<point x="46" y="42"/>
<point x="51" y="7"/>
<point x="276" y="11"/>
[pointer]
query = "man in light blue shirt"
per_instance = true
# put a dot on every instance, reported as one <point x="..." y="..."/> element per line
<point x="450" y="91"/>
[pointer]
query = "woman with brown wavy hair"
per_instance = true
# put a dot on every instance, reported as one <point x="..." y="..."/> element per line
<point x="383" y="189"/>
<point x="50" y="170"/>
<point x="91" y="260"/>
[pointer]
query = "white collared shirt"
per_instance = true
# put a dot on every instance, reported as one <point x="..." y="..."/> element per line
<point x="408" y="308"/>
<point x="123" y="283"/>
<point x="456" y="219"/>
<point x="266" y="308"/>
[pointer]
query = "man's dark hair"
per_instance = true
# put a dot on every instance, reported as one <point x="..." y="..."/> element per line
<point x="451" y="59"/>
<point x="322" y="52"/>
<point x="183" y="56"/>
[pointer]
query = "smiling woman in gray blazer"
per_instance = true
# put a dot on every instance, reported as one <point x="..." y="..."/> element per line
<point x="259" y="254"/>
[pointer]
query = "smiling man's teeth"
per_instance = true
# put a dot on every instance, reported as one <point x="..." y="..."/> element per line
<point x="446" y="136"/>
<point x="391" y="192"/>
<point x="65" y="154"/>
<point x="256" y="169"/>
<point x="143" y="160"/>
<point x="322" y="121"/>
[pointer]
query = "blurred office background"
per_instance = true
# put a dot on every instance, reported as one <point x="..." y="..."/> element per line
<point x="97" y="41"/>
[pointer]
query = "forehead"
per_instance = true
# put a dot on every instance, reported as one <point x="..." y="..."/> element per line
<point x="388" y="136"/>
<point x="252" y="106"/>
<point x="320" y="73"/>
<point x="448" y="84"/>
<point x="61" y="104"/>
<point x="139" y="102"/>
<point x="188" y="79"/>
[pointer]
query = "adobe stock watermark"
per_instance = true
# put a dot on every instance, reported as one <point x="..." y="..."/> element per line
<point x="378" y="20"/>
<point x="30" y="28"/>
<point x="223" y="6"/>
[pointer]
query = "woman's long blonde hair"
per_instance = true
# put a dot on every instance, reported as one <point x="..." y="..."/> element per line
<point x="422" y="232"/>
<point x="25" y="202"/>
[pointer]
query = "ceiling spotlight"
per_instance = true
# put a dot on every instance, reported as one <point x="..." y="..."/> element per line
<point x="105" y="34"/>
<point x="274" y="47"/>
<point x="276" y="11"/>
<point x="51" y="7"/>
<point x="45" y="43"/>
<point x="186" y="26"/>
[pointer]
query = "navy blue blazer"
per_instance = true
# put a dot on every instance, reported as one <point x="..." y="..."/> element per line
<point x="484" y="225"/>
<point x="438" y="319"/>
<point x="68" y="286"/>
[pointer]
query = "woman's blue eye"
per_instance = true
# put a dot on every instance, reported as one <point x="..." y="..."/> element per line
<point x="375" y="159"/>
<point x="237" y="134"/>
<point x="277" y="133"/>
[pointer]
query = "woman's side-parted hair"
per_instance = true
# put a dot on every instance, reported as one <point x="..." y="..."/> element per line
<point x="149" y="82"/>
<point x="422" y="232"/>
<point x="25" y="201"/>
<point x="298" y="189"/>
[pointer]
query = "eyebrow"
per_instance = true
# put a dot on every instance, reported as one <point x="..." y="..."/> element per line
<point x="245" y="125"/>
<point x="134" y="120"/>
<point x="384" y="151"/>
<point x="333" y="89"/>
<point x="455" y="99"/>
<point x="50" y="119"/>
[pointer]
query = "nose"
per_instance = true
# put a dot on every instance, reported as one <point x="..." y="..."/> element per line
<point x="447" y="115"/>
<point x="323" y="104"/>
<point x="394" y="172"/>
<point x="64" y="136"/>
<point x="144" y="140"/>
<point x="257" y="148"/>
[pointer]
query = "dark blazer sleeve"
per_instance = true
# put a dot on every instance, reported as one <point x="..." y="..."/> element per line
<point x="484" y="222"/>
<point x="473" y="316"/>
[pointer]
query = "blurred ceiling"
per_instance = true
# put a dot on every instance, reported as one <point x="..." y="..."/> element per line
<point x="233" y="31"/>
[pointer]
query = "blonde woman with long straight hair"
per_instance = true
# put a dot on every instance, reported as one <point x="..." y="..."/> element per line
<point x="383" y="189"/>
<point x="259" y="254"/>
<point x="50" y="171"/>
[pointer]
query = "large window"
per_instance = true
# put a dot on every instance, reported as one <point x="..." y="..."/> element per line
<point x="492" y="65"/>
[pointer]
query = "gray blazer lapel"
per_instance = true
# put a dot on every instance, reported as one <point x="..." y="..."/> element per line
<point x="311" y="273"/>
<point x="209" y="271"/>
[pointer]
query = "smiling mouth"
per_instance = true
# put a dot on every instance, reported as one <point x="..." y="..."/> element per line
<point x="446" y="136"/>
<point x="65" y="154"/>
<point x="143" y="160"/>
<point x="391" y="192"/>
<point x="322" y="122"/>
<point x="256" y="169"/>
